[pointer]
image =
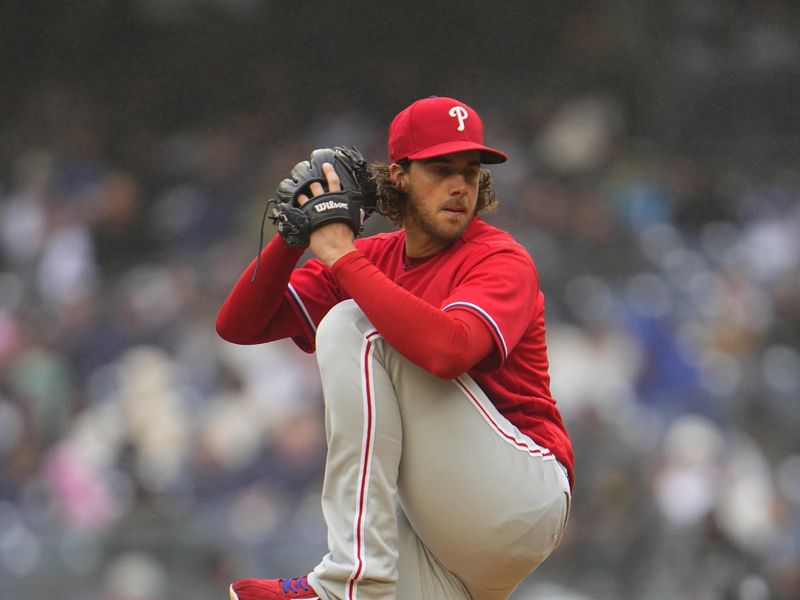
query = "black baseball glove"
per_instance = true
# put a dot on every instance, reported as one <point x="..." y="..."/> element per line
<point x="351" y="205"/>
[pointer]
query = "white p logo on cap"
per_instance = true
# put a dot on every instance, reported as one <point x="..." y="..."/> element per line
<point x="460" y="113"/>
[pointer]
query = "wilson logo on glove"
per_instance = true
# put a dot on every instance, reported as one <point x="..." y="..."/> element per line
<point x="330" y="205"/>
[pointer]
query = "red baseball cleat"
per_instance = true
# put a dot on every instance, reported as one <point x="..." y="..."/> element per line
<point x="272" y="589"/>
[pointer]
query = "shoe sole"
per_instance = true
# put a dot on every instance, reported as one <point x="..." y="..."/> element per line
<point x="235" y="597"/>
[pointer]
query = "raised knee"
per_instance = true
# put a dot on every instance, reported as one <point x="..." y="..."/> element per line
<point x="344" y="324"/>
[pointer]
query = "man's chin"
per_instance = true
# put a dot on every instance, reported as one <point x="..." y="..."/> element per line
<point x="452" y="231"/>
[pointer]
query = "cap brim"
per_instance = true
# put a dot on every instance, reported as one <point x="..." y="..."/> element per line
<point x="489" y="156"/>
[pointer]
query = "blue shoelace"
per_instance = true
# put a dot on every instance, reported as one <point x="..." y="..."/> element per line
<point x="295" y="584"/>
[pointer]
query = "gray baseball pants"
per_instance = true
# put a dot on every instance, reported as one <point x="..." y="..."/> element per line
<point x="429" y="493"/>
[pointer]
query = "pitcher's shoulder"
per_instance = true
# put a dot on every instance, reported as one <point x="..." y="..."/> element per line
<point x="482" y="233"/>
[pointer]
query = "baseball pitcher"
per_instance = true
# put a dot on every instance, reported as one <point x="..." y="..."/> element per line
<point x="449" y="470"/>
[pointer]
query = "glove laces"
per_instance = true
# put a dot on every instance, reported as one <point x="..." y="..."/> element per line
<point x="270" y="202"/>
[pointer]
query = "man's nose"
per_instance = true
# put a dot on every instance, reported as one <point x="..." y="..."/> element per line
<point x="459" y="185"/>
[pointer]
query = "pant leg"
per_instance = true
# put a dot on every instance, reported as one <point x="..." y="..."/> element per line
<point x="484" y="499"/>
<point x="364" y="435"/>
<point x="422" y="576"/>
<point x="481" y="505"/>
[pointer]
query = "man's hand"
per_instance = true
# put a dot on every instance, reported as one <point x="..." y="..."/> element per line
<point x="335" y="239"/>
<point x="350" y="201"/>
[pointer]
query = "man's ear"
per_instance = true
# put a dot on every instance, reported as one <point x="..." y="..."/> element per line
<point x="399" y="176"/>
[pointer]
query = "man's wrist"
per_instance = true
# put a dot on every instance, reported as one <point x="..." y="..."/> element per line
<point x="335" y="254"/>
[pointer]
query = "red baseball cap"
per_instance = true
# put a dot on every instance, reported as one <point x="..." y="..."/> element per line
<point x="435" y="126"/>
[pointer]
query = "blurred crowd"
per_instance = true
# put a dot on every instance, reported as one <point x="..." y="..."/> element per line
<point x="143" y="458"/>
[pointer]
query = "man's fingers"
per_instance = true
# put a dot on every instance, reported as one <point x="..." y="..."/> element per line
<point x="334" y="185"/>
<point x="316" y="189"/>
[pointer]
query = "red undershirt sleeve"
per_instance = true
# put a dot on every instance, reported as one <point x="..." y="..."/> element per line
<point x="245" y="316"/>
<point x="444" y="343"/>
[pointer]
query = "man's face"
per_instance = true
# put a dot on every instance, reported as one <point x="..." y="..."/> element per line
<point x="442" y="195"/>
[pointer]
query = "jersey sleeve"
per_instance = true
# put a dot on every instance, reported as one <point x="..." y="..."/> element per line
<point x="278" y="301"/>
<point x="251" y="306"/>
<point x="502" y="289"/>
<point x="445" y="344"/>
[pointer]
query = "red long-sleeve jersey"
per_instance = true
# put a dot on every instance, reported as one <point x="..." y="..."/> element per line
<point x="474" y="308"/>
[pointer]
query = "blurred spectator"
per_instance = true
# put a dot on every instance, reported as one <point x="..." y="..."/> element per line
<point x="657" y="187"/>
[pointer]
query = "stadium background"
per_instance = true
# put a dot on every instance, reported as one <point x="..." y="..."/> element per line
<point x="654" y="178"/>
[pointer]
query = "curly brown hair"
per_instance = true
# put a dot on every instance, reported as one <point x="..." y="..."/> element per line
<point x="392" y="201"/>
